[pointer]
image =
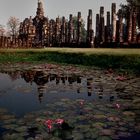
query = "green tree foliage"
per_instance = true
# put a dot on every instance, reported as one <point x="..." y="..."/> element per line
<point x="127" y="7"/>
<point x="83" y="27"/>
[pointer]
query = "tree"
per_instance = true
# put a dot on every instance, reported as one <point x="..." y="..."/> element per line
<point x="2" y="30"/>
<point x="131" y="4"/>
<point x="83" y="34"/>
<point x="13" y="25"/>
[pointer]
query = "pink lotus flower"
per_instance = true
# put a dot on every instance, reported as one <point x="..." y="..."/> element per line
<point x="49" y="123"/>
<point x="59" y="121"/>
<point x="121" y="78"/>
<point x="118" y="106"/>
<point x="81" y="102"/>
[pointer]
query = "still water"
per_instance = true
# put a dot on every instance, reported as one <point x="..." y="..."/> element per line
<point x="93" y="104"/>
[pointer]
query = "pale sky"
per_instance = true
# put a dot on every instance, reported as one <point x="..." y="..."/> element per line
<point x="53" y="8"/>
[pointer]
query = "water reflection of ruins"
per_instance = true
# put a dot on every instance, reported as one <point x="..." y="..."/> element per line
<point x="60" y="83"/>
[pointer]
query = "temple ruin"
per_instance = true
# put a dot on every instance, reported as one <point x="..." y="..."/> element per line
<point x="40" y="31"/>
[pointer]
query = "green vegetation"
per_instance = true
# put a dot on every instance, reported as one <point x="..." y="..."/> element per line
<point x="121" y="59"/>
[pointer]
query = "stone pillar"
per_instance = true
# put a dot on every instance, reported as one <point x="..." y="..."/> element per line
<point x="113" y="22"/>
<point x="70" y="29"/>
<point x="91" y="45"/>
<point x="120" y="29"/>
<point x="138" y="38"/>
<point x="50" y="32"/>
<point x="74" y="35"/>
<point x="105" y="33"/>
<point x="57" y="31"/>
<point x="108" y="28"/>
<point x="63" y="30"/>
<point x="46" y="33"/>
<point x="79" y="30"/>
<point x="67" y="33"/>
<point x="117" y="31"/>
<point x="102" y="25"/>
<point x="134" y="32"/>
<point x="97" y="26"/>
<point x="90" y="38"/>
<point x="8" y="42"/>
<point x="5" y="39"/>
<point x="129" y="26"/>
<point x="97" y="34"/>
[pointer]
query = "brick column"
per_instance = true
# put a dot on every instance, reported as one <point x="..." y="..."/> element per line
<point x="57" y="31"/>
<point x="108" y="28"/>
<point x="120" y="29"/>
<point x="70" y="29"/>
<point x="129" y="26"/>
<point x="102" y="26"/>
<point x="134" y="32"/>
<point x="63" y="30"/>
<point x="90" y="34"/>
<point x="113" y="22"/>
<point x="79" y="24"/>
<point x="97" y="34"/>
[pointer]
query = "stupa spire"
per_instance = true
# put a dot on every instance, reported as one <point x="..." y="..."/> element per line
<point x="40" y="10"/>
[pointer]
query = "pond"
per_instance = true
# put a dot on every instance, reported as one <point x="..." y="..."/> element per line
<point x="56" y="102"/>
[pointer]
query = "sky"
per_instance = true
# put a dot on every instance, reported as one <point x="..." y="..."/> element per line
<point x="53" y="8"/>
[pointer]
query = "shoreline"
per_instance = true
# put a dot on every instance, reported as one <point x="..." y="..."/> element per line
<point x="119" y="59"/>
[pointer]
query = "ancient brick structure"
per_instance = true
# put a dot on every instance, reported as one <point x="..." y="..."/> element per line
<point x="120" y="26"/>
<point x="33" y="31"/>
<point x="66" y="33"/>
<point x="97" y="35"/>
<point x="57" y="32"/>
<point x="70" y="29"/>
<point x="40" y="31"/>
<point x="113" y="22"/>
<point x="90" y="33"/>
<point x="102" y="26"/>
<point x="79" y="31"/>
<point x="63" y="31"/>
<point x="134" y="34"/>
<point x="108" y="28"/>
<point x="51" y="32"/>
<point x="129" y="26"/>
<point x="39" y="22"/>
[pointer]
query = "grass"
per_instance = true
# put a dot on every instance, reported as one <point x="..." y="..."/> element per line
<point x="122" y="59"/>
<point x="86" y="51"/>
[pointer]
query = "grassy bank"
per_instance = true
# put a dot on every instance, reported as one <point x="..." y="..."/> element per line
<point x="126" y="59"/>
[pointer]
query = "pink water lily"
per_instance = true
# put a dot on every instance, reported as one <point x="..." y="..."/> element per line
<point x="121" y="78"/>
<point x="49" y="123"/>
<point x="81" y="102"/>
<point x="117" y="106"/>
<point x="59" y="121"/>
